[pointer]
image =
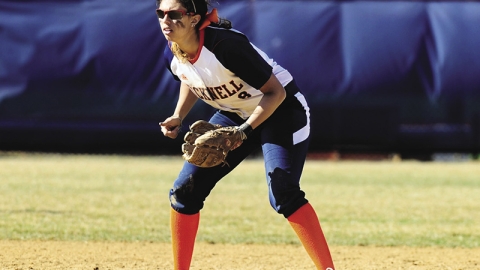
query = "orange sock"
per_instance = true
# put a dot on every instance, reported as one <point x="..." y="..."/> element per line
<point x="184" y="230"/>
<point x="307" y="227"/>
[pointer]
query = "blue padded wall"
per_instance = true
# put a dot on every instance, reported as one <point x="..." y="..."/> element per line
<point x="392" y="75"/>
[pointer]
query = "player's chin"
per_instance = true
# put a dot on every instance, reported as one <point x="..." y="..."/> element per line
<point x="167" y="37"/>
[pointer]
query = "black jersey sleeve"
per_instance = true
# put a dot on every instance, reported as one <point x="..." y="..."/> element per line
<point x="241" y="58"/>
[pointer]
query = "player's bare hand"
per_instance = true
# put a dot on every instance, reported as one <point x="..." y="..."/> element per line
<point x="171" y="126"/>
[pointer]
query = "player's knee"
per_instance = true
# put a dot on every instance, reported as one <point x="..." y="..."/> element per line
<point x="288" y="202"/>
<point x="285" y="193"/>
<point x="182" y="200"/>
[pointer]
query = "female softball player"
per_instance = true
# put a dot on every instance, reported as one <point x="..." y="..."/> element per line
<point x="220" y="66"/>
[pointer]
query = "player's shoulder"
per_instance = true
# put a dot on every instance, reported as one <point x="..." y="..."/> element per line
<point x="219" y="37"/>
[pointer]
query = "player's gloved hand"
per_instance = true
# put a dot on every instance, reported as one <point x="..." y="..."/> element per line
<point x="171" y="126"/>
<point x="207" y="145"/>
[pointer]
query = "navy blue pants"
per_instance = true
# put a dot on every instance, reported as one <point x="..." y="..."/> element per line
<point x="283" y="138"/>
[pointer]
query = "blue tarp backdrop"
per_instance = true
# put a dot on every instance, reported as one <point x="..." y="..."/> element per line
<point x="87" y="75"/>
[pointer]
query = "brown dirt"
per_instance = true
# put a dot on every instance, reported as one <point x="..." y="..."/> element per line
<point x="89" y="255"/>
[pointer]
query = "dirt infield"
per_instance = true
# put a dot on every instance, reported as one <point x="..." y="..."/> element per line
<point x="87" y="255"/>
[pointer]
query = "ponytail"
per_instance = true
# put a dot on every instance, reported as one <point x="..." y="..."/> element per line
<point x="202" y="7"/>
<point x="222" y="23"/>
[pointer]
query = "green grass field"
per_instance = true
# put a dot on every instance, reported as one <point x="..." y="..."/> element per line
<point x="125" y="198"/>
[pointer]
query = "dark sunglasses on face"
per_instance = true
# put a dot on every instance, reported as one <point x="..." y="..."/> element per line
<point x="172" y="14"/>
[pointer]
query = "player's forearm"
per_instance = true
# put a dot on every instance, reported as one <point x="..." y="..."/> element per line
<point x="267" y="106"/>
<point x="185" y="102"/>
<point x="273" y="96"/>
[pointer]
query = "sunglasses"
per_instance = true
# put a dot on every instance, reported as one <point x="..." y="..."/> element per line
<point x="173" y="14"/>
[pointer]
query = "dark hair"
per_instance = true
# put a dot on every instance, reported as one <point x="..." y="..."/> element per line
<point x="200" y="7"/>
